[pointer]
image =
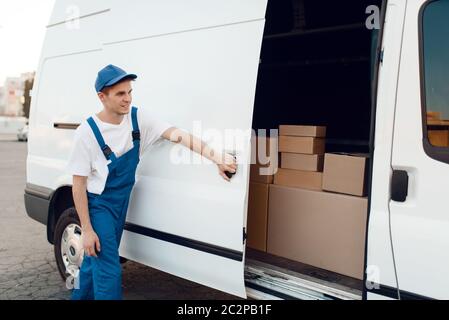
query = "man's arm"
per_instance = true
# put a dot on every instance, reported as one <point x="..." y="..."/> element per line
<point x="89" y="237"/>
<point x="224" y="161"/>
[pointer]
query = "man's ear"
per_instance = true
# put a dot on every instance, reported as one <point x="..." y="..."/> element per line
<point x="101" y="95"/>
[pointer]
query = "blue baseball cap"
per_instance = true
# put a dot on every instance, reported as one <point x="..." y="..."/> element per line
<point x="110" y="75"/>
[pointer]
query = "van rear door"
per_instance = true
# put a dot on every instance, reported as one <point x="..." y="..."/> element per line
<point x="197" y="63"/>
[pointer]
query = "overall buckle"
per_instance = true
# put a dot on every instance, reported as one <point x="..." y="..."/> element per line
<point x="106" y="151"/>
<point x="136" y="135"/>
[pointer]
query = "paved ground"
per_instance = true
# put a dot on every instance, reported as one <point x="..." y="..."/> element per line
<point x="27" y="264"/>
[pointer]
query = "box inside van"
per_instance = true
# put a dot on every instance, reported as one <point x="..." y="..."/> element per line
<point x="317" y="67"/>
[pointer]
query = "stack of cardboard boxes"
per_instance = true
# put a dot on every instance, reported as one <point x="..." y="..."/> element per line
<point x="318" y="218"/>
<point x="302" y="150"/>
<point x="310" y="215"/>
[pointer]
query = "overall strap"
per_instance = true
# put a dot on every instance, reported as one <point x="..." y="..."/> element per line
<point x="104" y="147"/>
<point x="135" y="132"/>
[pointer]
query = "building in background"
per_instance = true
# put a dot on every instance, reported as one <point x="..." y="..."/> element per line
<point x="12" y="93"/>
<point x="15" y="93"/>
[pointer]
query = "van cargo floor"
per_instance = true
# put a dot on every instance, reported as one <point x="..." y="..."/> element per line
<point x="278" y="277"/>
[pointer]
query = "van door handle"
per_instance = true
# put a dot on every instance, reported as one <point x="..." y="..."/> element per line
<point x="228" y="173"/>
<point x="399" y="185"/>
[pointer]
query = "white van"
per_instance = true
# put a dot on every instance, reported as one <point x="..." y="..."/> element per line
<point x="252" y="64"/>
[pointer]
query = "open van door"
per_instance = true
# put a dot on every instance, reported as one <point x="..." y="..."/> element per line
<point x="420" y="162"/>
<point x="197" y="63"/>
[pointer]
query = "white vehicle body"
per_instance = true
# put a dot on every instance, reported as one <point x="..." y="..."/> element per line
<point x="198" y="61"/>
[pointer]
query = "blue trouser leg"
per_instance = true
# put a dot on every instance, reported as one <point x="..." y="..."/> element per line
<point x="122" y="221"/>
<point x="101" y="276"/>
<point x="106" y="269"/>
<point x="84" y="289"/>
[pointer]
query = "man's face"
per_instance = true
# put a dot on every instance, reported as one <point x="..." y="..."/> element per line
<point x="117" y="98"/>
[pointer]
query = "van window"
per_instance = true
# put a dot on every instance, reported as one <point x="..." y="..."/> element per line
<point x="435" y="77"/>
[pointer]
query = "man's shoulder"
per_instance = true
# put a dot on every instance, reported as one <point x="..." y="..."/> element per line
<point x="83" y="127"/>
<point x="84" y="132"/>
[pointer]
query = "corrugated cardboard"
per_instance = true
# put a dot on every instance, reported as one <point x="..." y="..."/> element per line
<point x="299" y="161"/>
<point x="308" y="145"/>
<point x="302" y="131"/>
<point x="261" y="174"/>
<point x="345" y="173"/>
<point x="322" y="229"/>
<point x="439" y="138"/>
<point x="299" y="179"/>
<point x="257" y="216"/>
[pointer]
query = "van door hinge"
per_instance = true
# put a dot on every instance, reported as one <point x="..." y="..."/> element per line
<point x="244" y="235"/>
<point x="381" y="56"/>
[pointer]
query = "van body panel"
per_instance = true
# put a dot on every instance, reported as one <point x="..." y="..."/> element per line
<point x="196" y="71"/>
<point x="420" y="224"/>
<point x="178" y="16"/>
<point x="380" y="266"/>
<point x="65" y="11"/>
<point x="178" y="192"/>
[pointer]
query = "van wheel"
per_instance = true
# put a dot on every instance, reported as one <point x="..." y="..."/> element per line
<point x="68" y="247"/>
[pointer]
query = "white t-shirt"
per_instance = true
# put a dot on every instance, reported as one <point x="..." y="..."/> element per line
<point x="87" y="159"/>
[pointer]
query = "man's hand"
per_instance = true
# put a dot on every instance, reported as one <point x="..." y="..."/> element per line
<point x="227" y="163"/>
<point x="90" y="242"/>
<point x="88" y="236"/>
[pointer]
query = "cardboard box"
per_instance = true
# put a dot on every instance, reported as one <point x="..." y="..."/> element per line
<point x="261" y="174"/>
<point x="299" y="179"/>
<point x="307" y="145"/>
<point x="302" y="131"/>
<point x="321" y="229"/>
<point x="438" y="138"/>
<point x="299" y="161"/>
<point x="345" y="173"/>
<point x="257" y="216"/>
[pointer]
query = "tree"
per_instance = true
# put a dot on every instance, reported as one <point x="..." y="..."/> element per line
<point x="28" y="86"/>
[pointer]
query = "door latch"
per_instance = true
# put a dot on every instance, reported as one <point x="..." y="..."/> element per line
<point x="399" y="185"/>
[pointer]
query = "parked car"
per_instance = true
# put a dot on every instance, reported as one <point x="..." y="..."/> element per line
<point x="22" y="135"/>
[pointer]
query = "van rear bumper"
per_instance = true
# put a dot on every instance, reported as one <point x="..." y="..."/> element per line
<point x="37" y="202"/>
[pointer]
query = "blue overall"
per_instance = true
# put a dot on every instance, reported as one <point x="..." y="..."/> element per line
<point x="100" y="278"/>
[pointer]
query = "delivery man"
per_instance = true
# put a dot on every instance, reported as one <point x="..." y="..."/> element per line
<point x="103" y="163"/>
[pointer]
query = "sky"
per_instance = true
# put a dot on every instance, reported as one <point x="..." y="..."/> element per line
<point x="22" y="31"/>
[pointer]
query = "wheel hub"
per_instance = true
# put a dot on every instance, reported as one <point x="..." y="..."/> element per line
<point x="71" y="248"/>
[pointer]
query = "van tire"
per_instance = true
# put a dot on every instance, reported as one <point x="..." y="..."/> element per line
<point x="68" y="217"/>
